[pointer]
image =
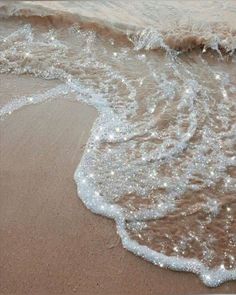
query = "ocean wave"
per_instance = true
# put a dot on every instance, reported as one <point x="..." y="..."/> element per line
<point x="179" y="36"/>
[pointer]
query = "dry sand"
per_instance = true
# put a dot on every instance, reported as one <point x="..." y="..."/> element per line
<point x="50" y="243"/>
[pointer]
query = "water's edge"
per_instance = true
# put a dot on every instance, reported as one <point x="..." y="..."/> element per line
<point x="217" y="37"/>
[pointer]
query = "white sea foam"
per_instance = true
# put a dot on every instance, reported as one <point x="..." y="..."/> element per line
<point x="17" y="103"/>
<point x="162" y="149"/>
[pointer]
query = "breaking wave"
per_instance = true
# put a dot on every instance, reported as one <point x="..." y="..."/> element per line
<point x="179" y="36"/>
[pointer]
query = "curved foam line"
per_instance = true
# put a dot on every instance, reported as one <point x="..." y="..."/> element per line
<point x="18" y="103"/>
<point x="87" y="193"/>
<point x="94" y="202"/>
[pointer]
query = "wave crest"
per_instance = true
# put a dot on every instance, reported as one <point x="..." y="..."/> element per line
<point x="217" y="36"/>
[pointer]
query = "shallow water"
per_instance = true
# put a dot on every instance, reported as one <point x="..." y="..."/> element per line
<point x="161" y="156"/>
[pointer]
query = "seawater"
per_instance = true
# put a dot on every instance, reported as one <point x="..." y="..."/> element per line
<point x="161" y="157"/>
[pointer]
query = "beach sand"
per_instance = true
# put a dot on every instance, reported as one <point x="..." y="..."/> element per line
<point x="50" y="243"/>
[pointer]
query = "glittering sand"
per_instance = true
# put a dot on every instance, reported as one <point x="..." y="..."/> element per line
<point x="50" y="243"/>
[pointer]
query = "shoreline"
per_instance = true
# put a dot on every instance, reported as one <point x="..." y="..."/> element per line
<point x="51" y="243"/>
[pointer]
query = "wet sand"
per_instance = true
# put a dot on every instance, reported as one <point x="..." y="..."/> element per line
<point x="50" y="243"/>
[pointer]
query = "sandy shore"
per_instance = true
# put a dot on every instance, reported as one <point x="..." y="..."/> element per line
<point x="50" y="243"/>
